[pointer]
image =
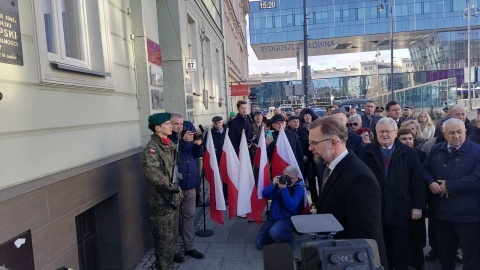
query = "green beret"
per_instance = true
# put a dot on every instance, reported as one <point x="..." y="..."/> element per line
<point x="232" y="114"/>
<point x="159" y="118"/>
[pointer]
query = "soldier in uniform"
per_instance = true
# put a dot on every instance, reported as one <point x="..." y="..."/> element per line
<point x="163" y="195"/>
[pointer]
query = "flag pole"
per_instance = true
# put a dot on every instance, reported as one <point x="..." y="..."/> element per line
<point x="204" y="232"/>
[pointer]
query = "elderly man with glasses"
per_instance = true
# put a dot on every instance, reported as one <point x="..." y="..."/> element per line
<point x="399" y="172"/>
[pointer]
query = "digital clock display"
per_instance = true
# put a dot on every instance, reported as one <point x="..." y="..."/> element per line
<point x="268" y="5"/>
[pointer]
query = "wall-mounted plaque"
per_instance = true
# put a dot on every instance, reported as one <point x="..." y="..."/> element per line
<point x="158" y="100"/>
<point x="10" y="35"/>
<point x="189" y="102"/>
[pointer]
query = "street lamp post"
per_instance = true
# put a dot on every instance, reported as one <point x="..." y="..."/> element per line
<point x="470" y="7"/>
<point x="392" y="83"/>
<point x="307" y="79"/>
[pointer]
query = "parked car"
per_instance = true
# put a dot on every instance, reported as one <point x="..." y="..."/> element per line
<point x="319" y="111"/>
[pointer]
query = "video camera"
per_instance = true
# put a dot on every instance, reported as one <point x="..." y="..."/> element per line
<point x="326" y="254"/>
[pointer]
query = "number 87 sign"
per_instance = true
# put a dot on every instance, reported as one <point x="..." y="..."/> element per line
<point x="190" y="64"/>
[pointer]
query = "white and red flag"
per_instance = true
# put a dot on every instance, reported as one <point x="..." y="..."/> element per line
<point x="282" y="157"/>
<point x="260" y="164"/>
<point x="210" y="165"/>
<point x="230" y="171"/>
<point x="246" y="180"/>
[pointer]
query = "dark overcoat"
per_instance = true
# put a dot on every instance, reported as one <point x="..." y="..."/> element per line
<point x="352" y="195"/>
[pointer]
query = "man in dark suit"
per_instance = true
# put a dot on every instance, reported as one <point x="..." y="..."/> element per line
<point x="399" y="173"/>
<point x="394" y="111"/>
<point x="350" y="191"/>
<point x="369" y="119"/>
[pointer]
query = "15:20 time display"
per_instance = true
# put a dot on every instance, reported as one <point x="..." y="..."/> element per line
<point x="268" y="5"/>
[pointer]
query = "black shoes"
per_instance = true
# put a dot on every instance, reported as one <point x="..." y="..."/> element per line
<point x="194" y="254"/>
<point x="432" y="255"/>
<point x="178" y="258"/>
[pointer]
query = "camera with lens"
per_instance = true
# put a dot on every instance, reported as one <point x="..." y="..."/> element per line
<point x="284" y="180"/>
<point x="196" y="135"/>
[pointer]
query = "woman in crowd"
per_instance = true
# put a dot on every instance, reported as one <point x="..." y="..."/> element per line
<point x="418" y="235"/>
<point x="415" y="128"/>
<point x="307" y="116"/>
<point x="366" y="135"/>
<point x="426" y="125"/>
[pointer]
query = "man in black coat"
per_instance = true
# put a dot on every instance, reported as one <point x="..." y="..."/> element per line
<point x="369" y="119"/>
<point x="240" y="122"/>
<point x="399" y="173"/>
<point x="475" y="135"/>
<point x="350" y="193"/>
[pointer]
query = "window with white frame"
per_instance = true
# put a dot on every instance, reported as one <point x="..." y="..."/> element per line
<point x="74" y="36"/>
<point x="65" y="32"/>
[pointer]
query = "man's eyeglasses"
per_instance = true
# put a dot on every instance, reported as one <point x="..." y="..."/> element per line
<point x="385" y="131"/>
<point x="352" y="124"/>
<point x="314" y="143"/>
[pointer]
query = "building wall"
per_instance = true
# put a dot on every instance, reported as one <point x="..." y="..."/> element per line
<point x="72" y="140"/>
<point x="235" y="12"/>
<point x="182" y="25"/>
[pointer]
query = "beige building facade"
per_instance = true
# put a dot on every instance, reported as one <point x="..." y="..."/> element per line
<point x="74" y="109"/>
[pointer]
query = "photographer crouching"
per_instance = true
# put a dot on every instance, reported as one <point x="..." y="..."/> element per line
<point x="287" y="192"/>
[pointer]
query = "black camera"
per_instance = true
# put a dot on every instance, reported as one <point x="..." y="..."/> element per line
<point x="196" y="135"/>
<point x="284" y="180"/>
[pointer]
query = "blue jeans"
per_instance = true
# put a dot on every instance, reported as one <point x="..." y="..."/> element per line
<point x="275" y="231"/>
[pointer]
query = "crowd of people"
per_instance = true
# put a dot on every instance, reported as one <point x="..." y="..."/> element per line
<point x="380" y="173"/>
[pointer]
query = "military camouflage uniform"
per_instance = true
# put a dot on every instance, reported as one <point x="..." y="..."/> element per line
<point x="158" y="160"/>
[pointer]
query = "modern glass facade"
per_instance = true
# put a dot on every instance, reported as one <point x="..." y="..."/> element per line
<point x="436" y="85"/>
<point x="433" y="30"/>
<point x="282" y="20"/>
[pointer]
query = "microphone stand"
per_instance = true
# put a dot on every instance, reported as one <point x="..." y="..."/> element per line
<point x="204" y="232"/>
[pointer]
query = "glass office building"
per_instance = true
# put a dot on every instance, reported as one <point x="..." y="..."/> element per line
<point x="434" y="31"/>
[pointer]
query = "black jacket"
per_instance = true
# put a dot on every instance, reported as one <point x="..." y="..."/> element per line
<point x="403" y="188"/>
<point x="352" y="195"/>
<point x="236" y="126"/>
<point x="475" y="136"/>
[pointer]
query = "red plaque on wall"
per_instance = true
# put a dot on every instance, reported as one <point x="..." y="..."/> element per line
<point x="154" y="53"/>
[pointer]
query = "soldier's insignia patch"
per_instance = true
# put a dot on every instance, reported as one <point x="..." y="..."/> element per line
<point x="152" y="151"/>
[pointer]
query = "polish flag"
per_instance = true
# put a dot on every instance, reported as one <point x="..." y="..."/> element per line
<point x="230" y="171"/>
<point x="282" y="157"/>
<point x="217" y="202"/>
<point x="246" y="179"/>
<point x="261" y="164"/>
